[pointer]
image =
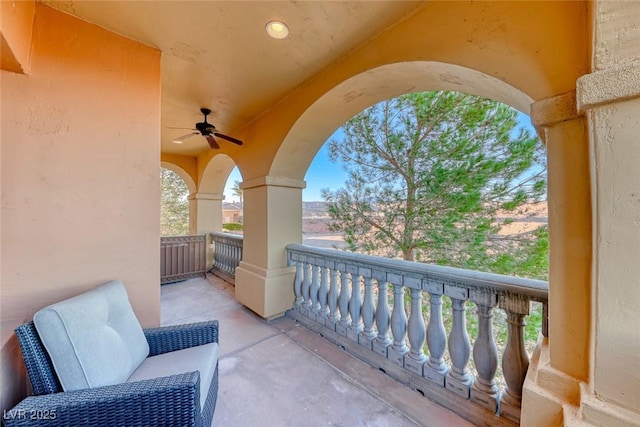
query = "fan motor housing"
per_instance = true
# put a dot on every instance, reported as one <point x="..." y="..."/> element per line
<point x="205" y="128"/>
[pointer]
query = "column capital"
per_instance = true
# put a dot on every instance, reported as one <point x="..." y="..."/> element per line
<point x="273" y="181"/>
<point x="609" y="85"/>
<point x="551" y="111"/>
<point x="206" y="196"/>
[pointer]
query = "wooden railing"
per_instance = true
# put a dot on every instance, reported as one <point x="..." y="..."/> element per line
<point x="361" y="303"/>
<point x="182" y="257"/>
<point x="227" y="254"/>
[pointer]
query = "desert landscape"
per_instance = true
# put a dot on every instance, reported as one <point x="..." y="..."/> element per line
<point x="316" y="220"/>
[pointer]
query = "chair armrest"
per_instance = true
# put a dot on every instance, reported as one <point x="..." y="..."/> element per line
<point x="172" y="338"/>
<point x="167" y="402"/>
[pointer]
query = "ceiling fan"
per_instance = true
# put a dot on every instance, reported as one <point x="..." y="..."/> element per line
<point x="207" y="130"/>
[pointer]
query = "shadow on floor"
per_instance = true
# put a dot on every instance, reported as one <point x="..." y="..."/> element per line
<point x="278" y="373"/>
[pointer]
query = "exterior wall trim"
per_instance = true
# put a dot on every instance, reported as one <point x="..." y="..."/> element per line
<point x="273" y="181"/>
<point x="607" y="86"/>
<point x="206" y="196"/>
<point x="551" y="111"/>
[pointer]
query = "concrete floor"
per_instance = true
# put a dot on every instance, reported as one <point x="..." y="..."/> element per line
<point x="278" y="373"/>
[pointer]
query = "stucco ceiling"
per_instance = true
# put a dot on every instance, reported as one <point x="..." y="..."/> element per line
<point x="217" y="54"/>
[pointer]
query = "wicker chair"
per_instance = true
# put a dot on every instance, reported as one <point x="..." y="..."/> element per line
<point x="167" y="401"/>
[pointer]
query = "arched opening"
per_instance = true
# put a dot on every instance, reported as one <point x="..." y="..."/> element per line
<point x="233" y="205"/>
<point x="309" y="133"/>
<point x="507" y="198"/>
<point x="504" y="233"/>
<point x="353" y="95"/>
<point x="215" y="174"/>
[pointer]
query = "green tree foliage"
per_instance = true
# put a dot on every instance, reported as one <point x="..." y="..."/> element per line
<point x="237" y="191"/>
<point x="174" y="204"/>
<point x="428" y="173"/>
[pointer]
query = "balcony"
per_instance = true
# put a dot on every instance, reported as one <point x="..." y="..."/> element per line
<point x="316" y="383"/>
<point x="84" y="132"/>
<point x="339" y="306"/>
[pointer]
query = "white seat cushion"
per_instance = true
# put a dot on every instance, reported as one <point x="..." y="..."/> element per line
<point x="201" y="358"/>
<point x="93" y="339"/>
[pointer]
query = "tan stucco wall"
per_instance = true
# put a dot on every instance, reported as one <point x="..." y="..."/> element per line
<point x="80" y="175"/>
<point x="617" y="319"/>
<point x="610" y="98"/>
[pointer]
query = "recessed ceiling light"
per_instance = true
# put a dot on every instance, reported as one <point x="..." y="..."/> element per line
<point x="177" y="141"/>
<point x="277" y="29"/>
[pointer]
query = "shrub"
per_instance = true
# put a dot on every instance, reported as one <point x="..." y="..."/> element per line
<point x="232" y="226"/>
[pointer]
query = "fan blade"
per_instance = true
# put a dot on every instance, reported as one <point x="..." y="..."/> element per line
<point x="183" y="137"/>
<point x="228" y="138"/>
<point x="173" y="127"/>
<point x="212" y="142"/>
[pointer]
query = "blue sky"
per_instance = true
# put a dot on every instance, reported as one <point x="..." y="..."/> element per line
<point x="322" y="173"/>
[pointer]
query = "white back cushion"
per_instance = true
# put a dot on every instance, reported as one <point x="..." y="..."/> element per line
<point x="93" y="339"/>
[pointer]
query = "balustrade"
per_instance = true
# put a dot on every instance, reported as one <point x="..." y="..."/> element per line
<point x="227" y="254"/>
<point x="182" y="257"/>
<point x="366" y="299"/>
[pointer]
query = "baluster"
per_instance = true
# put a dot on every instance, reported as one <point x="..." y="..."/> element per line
<point x="306" y="288"/>
<point x="216" y="253"/>
<point x="225" y="257"/>
<point x="297" y="286"/>
<point x="355" y="304"/>
<point x="458" y="379"/>
<point x="485" y="392"/>
<point x="368" y="314"/>
<point x="399" y="348"/>
<point x="383" y="316"/>
<point x="223" y="264"/>
<point x="236" y="260"/>
<point x="416" y="331"/>
<point x="323" y="293"/>
<point x="436" y="369"/>
<point x="333" y="297"/>
<point x="515" y="361"/>
<point x="221" y="257"/>
<point x="545" y="319"/>
<point x="315" y="287"/>
<point x="343" y="301"/>
<point x="229" y="261"/>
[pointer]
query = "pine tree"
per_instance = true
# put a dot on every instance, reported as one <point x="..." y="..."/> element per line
<point x="427" y="174"/>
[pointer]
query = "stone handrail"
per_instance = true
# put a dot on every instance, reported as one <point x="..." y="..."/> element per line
<point x="227" y="254"/>
<point x="336" y="294"/>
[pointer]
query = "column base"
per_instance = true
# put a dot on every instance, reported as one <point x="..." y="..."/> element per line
<point x="547" y="393"/>
<point x="268" y="293"/>
<point x="599" y="413"/>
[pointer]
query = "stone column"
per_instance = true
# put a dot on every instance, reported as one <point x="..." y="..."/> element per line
<point x="205" y="213"/>
<point x="610" y="98"/>
<point x="562" y="363"/>
<point x="205" y="216"/>
<point x="272" y="219"/>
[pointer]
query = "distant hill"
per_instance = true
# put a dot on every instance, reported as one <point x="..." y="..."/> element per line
<point x="315" y="209"/>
